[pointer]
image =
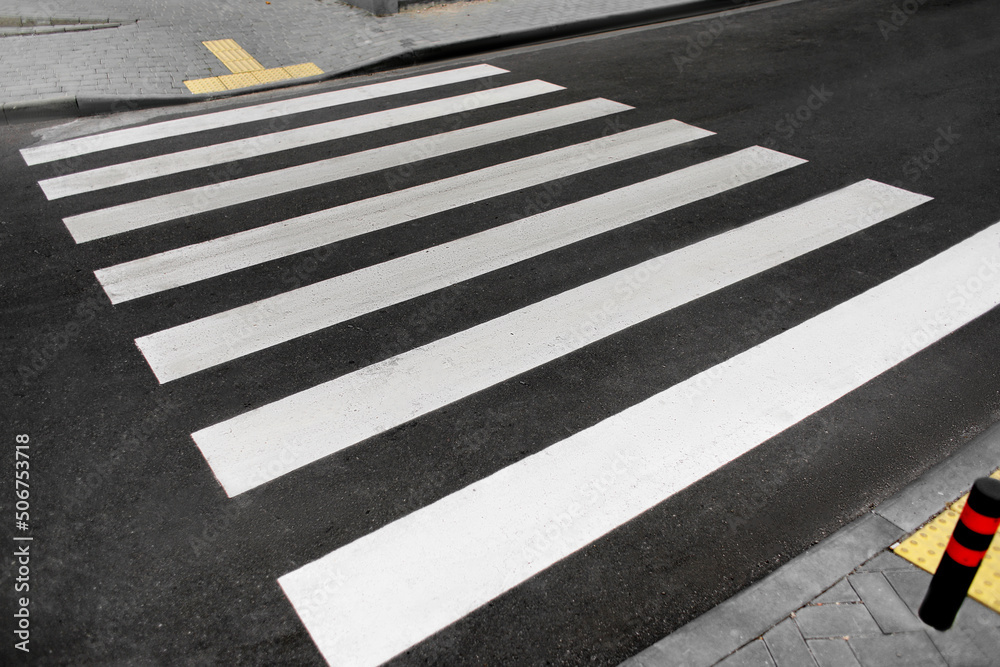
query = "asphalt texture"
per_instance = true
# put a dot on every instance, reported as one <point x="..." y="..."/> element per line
<point x="139" y="556"/>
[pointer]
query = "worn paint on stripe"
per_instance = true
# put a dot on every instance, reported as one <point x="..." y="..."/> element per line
<point x="146" y="212"/>
<point x="415" y="576"/>
<point x="195" y="346"/>
<point x="303" y="428"/>
<point x="93" y="143"/>
<point x="250" y="147"/>
<point x="189" y="264"/>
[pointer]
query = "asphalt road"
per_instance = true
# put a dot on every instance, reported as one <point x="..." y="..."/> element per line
<point x="139" y="555"/>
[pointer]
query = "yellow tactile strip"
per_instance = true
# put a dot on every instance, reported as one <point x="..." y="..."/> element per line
<point x="233" y="56"/>
<point x="925" y="547"/>
<point x="246" y="71"/>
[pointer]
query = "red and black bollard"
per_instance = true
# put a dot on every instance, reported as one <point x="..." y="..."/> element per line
<point x="966" y="549"/>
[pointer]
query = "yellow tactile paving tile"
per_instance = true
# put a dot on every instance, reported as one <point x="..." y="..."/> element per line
<point x="268" y="75"/>
<point x="246" y="71"/>
<point x="233" y="56"/>
<point x="299" y="71"/>
<point x="214" y="84"/>
<point x="243" y="66"/>
<point x="926" y="546"/>
<point x="209" y="85"/>
<point x="231" y="81"/>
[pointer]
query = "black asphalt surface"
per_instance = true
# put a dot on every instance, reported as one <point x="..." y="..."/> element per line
<point x="140" y="558"/>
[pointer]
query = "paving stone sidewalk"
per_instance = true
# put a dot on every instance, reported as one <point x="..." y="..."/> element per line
<point x="849" y="601"/>
<point x="152" y="47"/>
<point x="868" y="619"/>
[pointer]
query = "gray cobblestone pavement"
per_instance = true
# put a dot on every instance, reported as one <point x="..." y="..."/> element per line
<point x="158" y="44"/>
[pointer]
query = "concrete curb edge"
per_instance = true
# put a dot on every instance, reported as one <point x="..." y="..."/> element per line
<point x="74" y="106"/>
<point x="753" y="611"/>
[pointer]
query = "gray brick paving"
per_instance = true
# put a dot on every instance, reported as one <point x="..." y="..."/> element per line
<point x="835" y="620"/>
<point x="753" y="612"/>
<point x="833" y="653"/>
<point x="165" y="36"/>
<point x="902" y="649"/>
<point x="840" y="592"/>
<point x="787" y="646"/>
<point x="754" y="654"/>
<point x="885" y="606"/>
<point x="868" y="619"/>
<point x="966" y="646"/>
<point x="885" y="561"/>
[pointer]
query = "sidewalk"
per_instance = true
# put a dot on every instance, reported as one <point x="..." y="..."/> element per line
<point x="850" y="600"/>
<point x="127" y="49"/>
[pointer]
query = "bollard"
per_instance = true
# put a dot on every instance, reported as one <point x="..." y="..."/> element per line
<point x="961" y="560"/>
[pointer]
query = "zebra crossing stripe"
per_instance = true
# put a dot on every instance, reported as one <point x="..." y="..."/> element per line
<point x="195" y="346"/>
<point x="136" y="215"/>
<point x="211" y="121"/>
<point x="189" y="264"/>
<point x="207" y="156"/>
<point x="262" y="444"/>
<point x="400" y="584"/>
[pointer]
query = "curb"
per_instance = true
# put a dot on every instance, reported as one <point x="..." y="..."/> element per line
<point x="750" y="613"/>
<point x="74" y="106"/>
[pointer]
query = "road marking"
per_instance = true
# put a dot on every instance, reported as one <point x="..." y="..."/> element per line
<point x="269" y="441"/>
<point x="240" y="149"/>
<point x="195" y="346"/>
<point x="136" y="215"/>
<point x="415" y="576"/>
<point x="62" y="150"/>
<point x="189" y="264"/>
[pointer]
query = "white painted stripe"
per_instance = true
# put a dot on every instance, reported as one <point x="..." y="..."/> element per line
<point x="139" y="214"/>
<point x="304" y="427"/>
<point x="375" y="597"/>
<point x="216" y="257"/>
<point x="195" y="346"/>
<point x="211" y="121"/>
<point x="206" y="156"/>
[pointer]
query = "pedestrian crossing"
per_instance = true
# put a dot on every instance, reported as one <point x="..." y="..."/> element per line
<point x="415" y="576"/>
<point x="104" y="141"/>
<point x="429" y="569"/>
<point x="188" y="264"/>
<point x="221" y="153"/>
<point x="145" y="212"/>
<point x="392" y="392"/>
<point x="204" y="343"/>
